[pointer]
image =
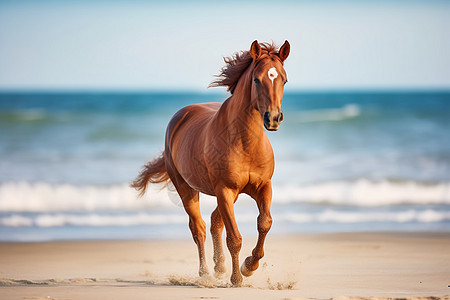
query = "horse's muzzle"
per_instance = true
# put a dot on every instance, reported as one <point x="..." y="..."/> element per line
<point x="272" y="122"/>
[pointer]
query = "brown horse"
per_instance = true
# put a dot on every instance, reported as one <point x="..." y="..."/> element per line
<point x="222" y="150"/>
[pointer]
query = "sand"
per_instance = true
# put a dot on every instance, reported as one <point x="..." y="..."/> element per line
<point x="340" y="266"/>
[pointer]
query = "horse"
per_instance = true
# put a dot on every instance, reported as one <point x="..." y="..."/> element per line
<point x="222" y="150"/>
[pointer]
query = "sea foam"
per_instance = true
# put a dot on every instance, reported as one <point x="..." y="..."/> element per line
<point x="348" y="111"/>
<point x="328" y="216"/>
<point x="363" y="192"/>
<point x="45" y="197"/>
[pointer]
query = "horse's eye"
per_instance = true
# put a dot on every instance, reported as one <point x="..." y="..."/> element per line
<point x="286" y="81"/>
<point x="256" y="80"/>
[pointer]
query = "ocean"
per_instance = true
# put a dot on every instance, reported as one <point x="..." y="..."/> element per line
<point x="361" y="161"/>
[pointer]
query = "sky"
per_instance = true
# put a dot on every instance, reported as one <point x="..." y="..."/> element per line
<point x="179" y="45"/>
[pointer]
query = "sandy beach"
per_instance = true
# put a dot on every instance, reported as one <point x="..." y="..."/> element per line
<point x="365" y="265"/>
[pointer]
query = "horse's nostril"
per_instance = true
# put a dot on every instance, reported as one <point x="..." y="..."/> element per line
<point x="280" y="117"/>
<point x="267" y="117"/>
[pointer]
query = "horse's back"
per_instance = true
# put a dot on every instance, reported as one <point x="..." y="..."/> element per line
<point x="192" y="118"/>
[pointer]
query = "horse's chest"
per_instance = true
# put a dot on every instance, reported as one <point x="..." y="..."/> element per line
<point x="242" y="170"/>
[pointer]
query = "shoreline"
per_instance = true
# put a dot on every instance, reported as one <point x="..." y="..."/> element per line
<point x="364" y="265"/>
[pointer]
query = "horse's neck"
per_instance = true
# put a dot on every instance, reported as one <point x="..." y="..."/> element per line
<point x="242" y="119"/>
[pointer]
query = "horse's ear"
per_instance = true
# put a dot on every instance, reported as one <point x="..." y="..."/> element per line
<point x="284" y="51"/>
<point x="255" y="50"/>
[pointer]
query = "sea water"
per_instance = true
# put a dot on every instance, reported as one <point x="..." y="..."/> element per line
<point x="344" y="162"/>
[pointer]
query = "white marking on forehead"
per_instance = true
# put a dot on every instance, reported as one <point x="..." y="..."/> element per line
<point x="272" y="73"/>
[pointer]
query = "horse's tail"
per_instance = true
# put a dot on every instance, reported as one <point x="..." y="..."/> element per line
<point x="153" y="172"/>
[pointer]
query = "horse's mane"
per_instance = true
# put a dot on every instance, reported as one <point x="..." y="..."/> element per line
<point x="235" y="66"/>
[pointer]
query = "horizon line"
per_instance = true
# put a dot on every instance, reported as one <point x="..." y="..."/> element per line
<point x="216" y="91"/>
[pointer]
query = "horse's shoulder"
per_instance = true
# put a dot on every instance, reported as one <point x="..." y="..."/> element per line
<point x="194" y="114"/>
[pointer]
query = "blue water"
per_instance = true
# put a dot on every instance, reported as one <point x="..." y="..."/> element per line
<point x="344" y="162"/>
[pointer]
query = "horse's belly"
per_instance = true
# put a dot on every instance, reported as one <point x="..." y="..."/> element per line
<point x="197" y="178"/>
<point x="202" y="188"/>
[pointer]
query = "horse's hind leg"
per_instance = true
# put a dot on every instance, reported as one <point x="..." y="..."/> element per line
<point x="197" y="226"/>
<point x="263" y="199"/>
<point x="216" y="234"/>
<point x="225" y="201"/>
<point x="198" y="230"/>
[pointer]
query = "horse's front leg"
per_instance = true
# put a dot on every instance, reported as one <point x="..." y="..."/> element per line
<point x="225" y="202"/>
<point x="263" y="199"/>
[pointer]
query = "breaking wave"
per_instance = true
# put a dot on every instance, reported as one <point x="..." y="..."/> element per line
<point x="139" y="218"/>
<point x="45" y="197"/>
<point x="366" y="193"/>
<point x="348" y="111"/>
<point x="19" y="116"/>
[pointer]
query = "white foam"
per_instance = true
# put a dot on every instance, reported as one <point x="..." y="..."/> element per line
<point x="28" y="115"/>
<point x="48" y="220"/>
<point x="44" y="197"/>
<point x="348" y="111"/>
<point x="329" y="216"/>
<point x="61" y="219"/>
<point x="41" y="197"/>
<point x="333" y="216"/>
<point x="89" y="219"/>
<point x="365" y="193"/>
<point x="16" y="221"/>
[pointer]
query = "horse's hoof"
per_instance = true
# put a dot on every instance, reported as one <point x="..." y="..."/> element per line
<point x="219" y="271"/>
<point x="245" y="270"/>
<point x="236" y="280"/>
<point x="203" y="272"/>
<point x="219" y="275"/>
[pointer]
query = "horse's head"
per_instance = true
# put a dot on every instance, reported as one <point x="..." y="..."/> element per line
<point x="269" y="78"/>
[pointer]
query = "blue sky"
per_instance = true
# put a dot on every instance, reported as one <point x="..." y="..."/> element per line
<point x="146" y="45"/>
